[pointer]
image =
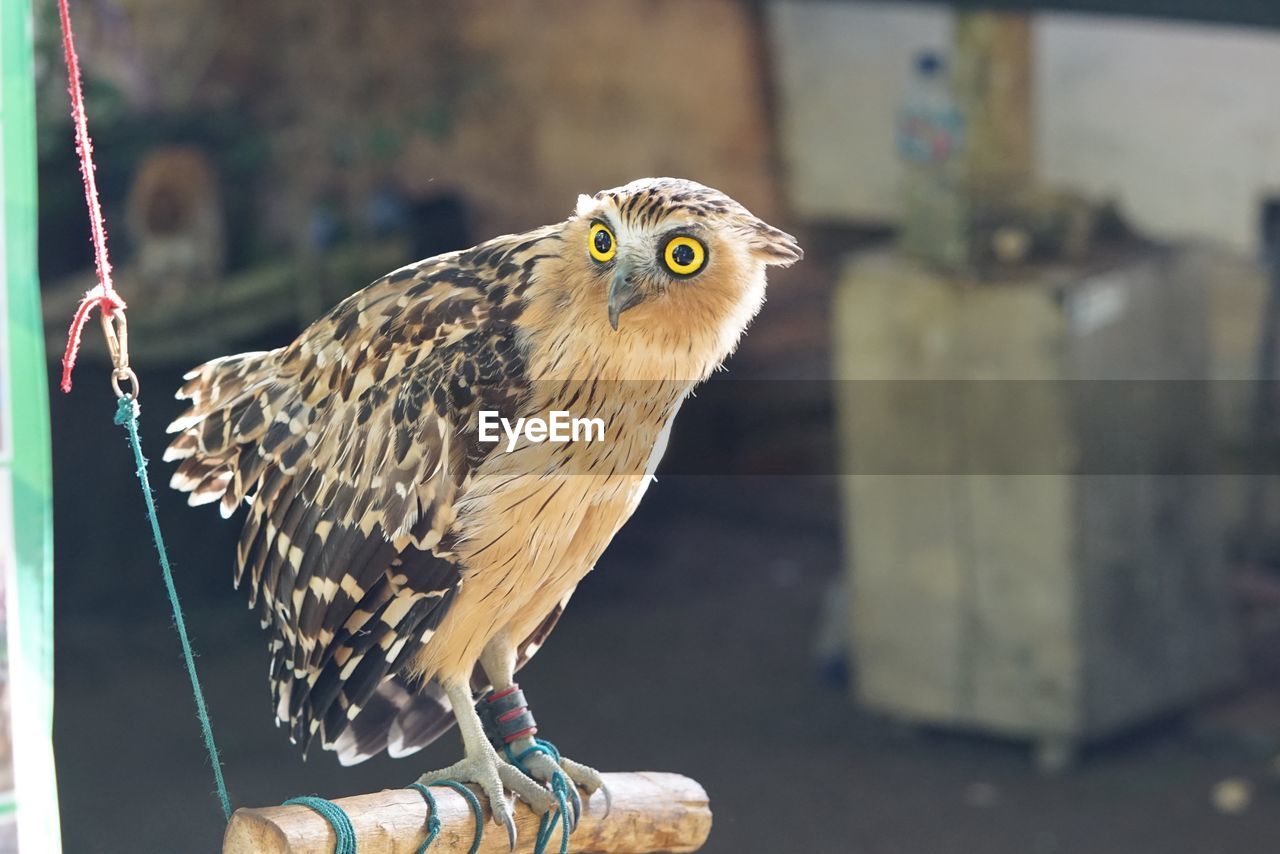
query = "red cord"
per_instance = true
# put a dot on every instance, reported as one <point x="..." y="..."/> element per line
<point x="504" y="692"/>
<point x="514" y="737"/>
<point x="104" y="296"/>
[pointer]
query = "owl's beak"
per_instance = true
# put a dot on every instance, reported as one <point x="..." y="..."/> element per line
<point x="624" y="291"/>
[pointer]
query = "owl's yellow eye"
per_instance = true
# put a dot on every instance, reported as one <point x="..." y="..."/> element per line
<point x="685" y="255"/>
<point x="601" y="244"/>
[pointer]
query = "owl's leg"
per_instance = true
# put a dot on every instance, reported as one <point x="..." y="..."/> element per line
<point x="484" y="767"/>
<point x="508" y="720"/>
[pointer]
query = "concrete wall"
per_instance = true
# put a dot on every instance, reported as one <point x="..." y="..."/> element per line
<point x="1181" y="122"/>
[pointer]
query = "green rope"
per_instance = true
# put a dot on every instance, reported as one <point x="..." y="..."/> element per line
<point x="127" y="416"/>
<point x="345" y="833"/>
<point x="433" y="821"/>
<point x="559" y="787"/>
<point x="337" y="818"/>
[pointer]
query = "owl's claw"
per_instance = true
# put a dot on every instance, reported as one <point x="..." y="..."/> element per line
<point x="543" y="768"/>
<point x="495" y="777"/>
<point x="589" y="780"/>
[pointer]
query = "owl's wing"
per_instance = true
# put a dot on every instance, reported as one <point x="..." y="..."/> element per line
<point x="351" y="446"/>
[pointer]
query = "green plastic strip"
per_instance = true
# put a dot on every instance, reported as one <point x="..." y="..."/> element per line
<point x="25" y="468"/>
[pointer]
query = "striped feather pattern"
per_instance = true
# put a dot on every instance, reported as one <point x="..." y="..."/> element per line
<point x="351" y="447"/>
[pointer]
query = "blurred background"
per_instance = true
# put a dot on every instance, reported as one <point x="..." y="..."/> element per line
<point x="974" y="547"/>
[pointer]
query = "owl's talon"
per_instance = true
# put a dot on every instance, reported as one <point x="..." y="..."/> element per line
<point x="502" y="816"/>
<point x="543" y="768"/>
<point x="608" y="799"/>
<point x="510" y="824"/>
<point x="495" y="777"/>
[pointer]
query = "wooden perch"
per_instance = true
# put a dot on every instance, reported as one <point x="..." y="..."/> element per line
<point x="652" y="812"/>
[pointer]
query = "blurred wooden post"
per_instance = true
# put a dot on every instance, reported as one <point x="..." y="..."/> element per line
<point x="981" y="161"/>
<point x="992" y="83"/>
<point x="651" y="812"/>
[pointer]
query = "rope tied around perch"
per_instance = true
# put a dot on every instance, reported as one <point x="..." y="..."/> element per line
<point x="337" y="818"/>
<point x="433" y="819"/>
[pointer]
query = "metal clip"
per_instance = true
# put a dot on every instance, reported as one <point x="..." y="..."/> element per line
<point x="116" y="329"/>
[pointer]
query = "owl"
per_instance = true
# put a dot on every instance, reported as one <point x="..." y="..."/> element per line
<point x="404" y="564"/>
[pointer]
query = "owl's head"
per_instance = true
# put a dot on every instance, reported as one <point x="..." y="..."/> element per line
<point x="670" y="248"/>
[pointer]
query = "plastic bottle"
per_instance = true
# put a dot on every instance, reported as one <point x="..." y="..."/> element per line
<point x="930" y="139"/>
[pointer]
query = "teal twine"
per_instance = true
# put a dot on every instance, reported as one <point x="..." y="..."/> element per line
<point x="559" y="788"/>
<point x="345" y="832"/>
<point x="337" y="818"/>
<point x="127" y="416"/>
<point x="433" y="821"/>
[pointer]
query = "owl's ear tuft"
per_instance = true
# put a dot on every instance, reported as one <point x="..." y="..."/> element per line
<point x="773" y="245"/>
<point x="585" y="204"/>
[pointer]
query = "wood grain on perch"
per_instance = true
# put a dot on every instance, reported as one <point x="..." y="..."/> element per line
<point x="652" y="812"/>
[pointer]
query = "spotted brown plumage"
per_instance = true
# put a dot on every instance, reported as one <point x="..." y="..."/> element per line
<point x="356" y="447"/>
<point x="401" y="565"/>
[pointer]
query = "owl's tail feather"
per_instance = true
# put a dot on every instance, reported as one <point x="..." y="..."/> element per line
<point x="400" y="718"/>
<point x="236" y="402"/>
